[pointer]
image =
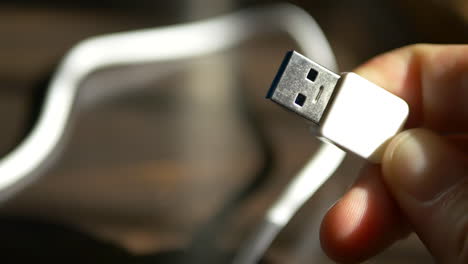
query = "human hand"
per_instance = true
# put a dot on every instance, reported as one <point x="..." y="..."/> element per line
<point x="422" y="184"/>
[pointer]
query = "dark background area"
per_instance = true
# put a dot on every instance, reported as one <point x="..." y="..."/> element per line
<point x="141" y="178"/>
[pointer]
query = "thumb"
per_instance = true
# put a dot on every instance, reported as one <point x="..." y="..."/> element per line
<point x="429" y="180"/>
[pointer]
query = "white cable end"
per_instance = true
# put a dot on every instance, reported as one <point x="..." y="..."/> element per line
<point x="347" y="110"/>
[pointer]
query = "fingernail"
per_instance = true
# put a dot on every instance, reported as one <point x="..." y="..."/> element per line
<point x="421" y="164"/>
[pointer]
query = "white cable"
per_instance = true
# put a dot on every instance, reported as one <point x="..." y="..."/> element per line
<point x="170" y="43"/>
<point x="303" y="186"/>
<point x="320" y="167"/>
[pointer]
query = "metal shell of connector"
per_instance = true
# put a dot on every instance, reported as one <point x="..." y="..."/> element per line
<point x="303" y="86"/>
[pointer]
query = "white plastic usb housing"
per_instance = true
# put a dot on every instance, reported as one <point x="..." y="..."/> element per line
<point x="347" y="110"/>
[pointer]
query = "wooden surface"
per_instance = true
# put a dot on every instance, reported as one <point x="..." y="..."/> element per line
<point x="147" y="167"/>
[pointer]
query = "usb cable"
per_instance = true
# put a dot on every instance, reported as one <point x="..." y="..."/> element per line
<point x="346" y="111"/>
<point x="40" y="148"/>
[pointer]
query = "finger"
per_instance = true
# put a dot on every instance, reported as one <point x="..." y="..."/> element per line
<point x="433" y="80"/>
<point x="429" y="179"/>
<point x="364" y="222"/>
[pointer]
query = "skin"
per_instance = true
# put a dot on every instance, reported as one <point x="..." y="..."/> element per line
<point x="422" y="184"/>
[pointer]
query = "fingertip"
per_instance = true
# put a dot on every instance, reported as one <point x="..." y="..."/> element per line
<point x="363" y="222"/>
<point x="389" y="162"/>
<point x="338" y="231"/>
<point x="414" y="161"/>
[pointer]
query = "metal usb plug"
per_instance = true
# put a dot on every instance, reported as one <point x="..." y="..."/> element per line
<point x="303" y="86"/>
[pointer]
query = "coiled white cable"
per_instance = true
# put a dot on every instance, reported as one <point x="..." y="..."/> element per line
<point x="37" y="151"/>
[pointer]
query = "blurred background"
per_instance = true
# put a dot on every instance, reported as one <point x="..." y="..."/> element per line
<point x="158" y="173"/>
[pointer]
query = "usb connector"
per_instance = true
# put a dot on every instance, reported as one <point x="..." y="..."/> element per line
<point x="346" y="109"/>
<point x="303" y="86"/>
